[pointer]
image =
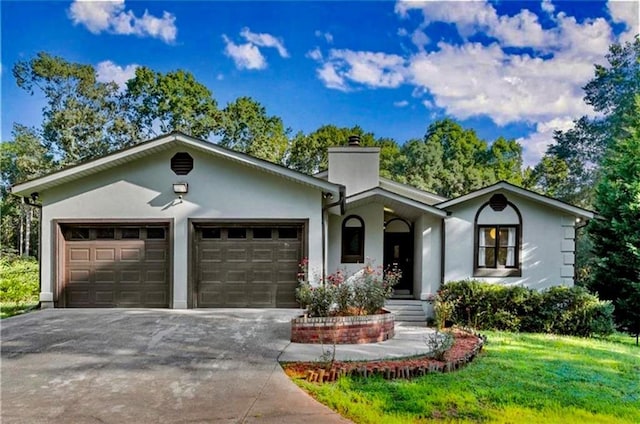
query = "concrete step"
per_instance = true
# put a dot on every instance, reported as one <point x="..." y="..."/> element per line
<point x="406" y="310"/>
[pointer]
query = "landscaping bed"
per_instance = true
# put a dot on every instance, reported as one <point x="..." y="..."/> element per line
<point x="465" y="347"/>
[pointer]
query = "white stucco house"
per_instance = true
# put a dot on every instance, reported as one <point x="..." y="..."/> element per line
<point x="178" y="222"/>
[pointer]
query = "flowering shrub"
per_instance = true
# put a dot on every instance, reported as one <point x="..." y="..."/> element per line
<point x="362" y="293"/>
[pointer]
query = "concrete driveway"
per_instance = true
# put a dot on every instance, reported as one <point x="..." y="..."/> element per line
<point x="151" y="366"/>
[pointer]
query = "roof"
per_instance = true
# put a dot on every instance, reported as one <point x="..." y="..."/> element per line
<point x="400" y="204"/>
<point x="531" y="195"/>
<point x="166" y="142"/>
<point x="411" y="192"/>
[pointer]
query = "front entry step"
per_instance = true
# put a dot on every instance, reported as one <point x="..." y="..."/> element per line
<point x="407" y="310"/>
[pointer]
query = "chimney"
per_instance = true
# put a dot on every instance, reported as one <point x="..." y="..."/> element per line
<point x="354" y="166"/>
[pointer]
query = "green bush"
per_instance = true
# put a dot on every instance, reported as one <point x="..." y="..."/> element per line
<point x="18" y="280"/>
<point x="560" y="310"/>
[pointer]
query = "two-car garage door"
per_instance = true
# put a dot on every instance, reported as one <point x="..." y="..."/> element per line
<point x="129" y="265"/>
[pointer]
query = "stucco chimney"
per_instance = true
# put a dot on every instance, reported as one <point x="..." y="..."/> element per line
<point x="355" y="167"/>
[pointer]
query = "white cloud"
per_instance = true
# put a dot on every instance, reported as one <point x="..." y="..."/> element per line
<point x="264" y="40"/>
<point x="111" y="16"/>
<point x="315" y="54"/>
<point x="401" y="103"/>
<point x="328" y="37"/>
<point x="248" y="55"/>
<point x="535" y="144"/>
<point x="245" y="56"/>
<point x="330" y="77"/>
<point x="107" y="71"/>
<point x="375" y="70"/>
<point x="547" y="6"/>
<point x="626" y="12"/>
<point x="419" y="39"/>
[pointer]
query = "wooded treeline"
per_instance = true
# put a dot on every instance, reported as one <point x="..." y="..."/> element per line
<point x="84" y="118"/>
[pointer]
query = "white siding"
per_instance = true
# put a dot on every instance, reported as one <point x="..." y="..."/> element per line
<point x="427" y="245"/>
<point x="218" y="189"/>
<point x="547" y="251"/>
<point x="373" y="217"/>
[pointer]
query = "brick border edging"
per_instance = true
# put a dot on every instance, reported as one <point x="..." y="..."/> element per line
<point x="320" y="375"/>
<point x="343" y="330"/>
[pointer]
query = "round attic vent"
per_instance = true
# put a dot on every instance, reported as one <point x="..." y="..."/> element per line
<point x="181" y="163"/>
<point x="498" y="202"/>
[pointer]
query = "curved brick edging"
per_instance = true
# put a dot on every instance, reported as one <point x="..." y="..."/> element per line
<point x="393" y="369"/>
<point x="343" y="330"/>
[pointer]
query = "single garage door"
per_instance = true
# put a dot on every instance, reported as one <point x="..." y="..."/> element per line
<point x="116" y="266"/>
<point x="247" y="266"/>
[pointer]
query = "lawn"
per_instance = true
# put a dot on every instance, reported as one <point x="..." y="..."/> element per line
<point x="520" y="378"/>
<point x="10" y="309"/>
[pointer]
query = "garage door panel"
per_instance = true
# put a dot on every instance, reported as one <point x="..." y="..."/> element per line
<point x="116" y="272"/>
<point x="106" y="298"/>
<point x="79" y="254"/>
<point x="130" y="254"/>
<point x="249" y="271"/>
<point x="105" y="276"/>
<point x="130" y="277"/>
<point x="108" y="254"/>
<point x="155" y="255"/>
<point x="236" y="255"/>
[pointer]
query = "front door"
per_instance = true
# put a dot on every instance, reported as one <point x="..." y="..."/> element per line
<point x="398" y="251"/>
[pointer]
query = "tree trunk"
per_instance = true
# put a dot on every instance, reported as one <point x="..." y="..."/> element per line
<point x="27" y="236"/>
<point x="21" y="233"/>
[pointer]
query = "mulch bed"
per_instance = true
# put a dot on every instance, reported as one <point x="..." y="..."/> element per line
<point x="465" y="348"/>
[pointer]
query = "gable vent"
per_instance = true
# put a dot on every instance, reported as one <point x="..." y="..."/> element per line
<point x="498" y="202"/>
<point x="181" y="163"/>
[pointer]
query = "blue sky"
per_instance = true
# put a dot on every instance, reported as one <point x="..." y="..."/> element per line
<point x="504" y="68"/>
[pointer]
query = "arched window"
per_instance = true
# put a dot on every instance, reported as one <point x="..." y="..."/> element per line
<point x="498" y="235"/>
<point x="352" y="239"/>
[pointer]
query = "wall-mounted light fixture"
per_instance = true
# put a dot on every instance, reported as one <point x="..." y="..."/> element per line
<point x="180" y="189"/>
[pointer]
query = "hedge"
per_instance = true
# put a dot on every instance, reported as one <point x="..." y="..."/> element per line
<point x="559" y="310"/>
<point x="18" y="280"/>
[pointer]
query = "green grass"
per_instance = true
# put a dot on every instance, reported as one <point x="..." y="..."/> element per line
<point x="520" y="378"/>
<point x="10" y="309"/>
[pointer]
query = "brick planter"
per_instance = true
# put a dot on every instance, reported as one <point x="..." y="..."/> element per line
<point x="343" y="330"/>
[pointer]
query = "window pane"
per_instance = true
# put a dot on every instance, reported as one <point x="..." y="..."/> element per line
<point x="237" y="233"/>
<point x="211" y="233"/>
<point x="105" y="233"/>
<point x="155" y="233"/>
<point x="79" y="234"/>
<point x="490" y="257"/>
<point x="487" y="237"/>
<point x="288" y="233"/>
<point x="353" y="222"/>
<point x="262" y="233"/>
<point x="502" y="256"/>
<point x="353" y="241"/>
<point x="507" y="236"/>
<point x="131" y="233"/>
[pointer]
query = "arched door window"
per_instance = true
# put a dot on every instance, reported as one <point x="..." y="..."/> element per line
<point x="352" y="239"/>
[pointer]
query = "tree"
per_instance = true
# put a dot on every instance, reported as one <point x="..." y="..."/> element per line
<point x="309" y="153"/>
<point x="611" y="93"/>
<point x="246" y="127"/>
<point x="504" y="158"/>
<point x="158" y="103"/>
<point x="616" y="232"/>
<point x="82" y="118"/>
<point x="21" y="159"/>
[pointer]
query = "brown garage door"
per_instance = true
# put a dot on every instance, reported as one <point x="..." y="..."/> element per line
<point x="248" y="266"/>
<point x="116" y="266"/>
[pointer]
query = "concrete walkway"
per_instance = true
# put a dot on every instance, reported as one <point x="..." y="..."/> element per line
<point x="408" y="341"/>
<point x="151" y="366"/>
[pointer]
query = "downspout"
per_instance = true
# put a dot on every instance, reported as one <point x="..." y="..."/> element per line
<point x="442" y="250"/>
<point x="340" y="202"/>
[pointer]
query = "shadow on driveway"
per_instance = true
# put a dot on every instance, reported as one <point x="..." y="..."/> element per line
<point x="160" y="366"/>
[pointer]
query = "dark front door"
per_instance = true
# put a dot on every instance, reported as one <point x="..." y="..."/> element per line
<point x="398" y="251"/>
